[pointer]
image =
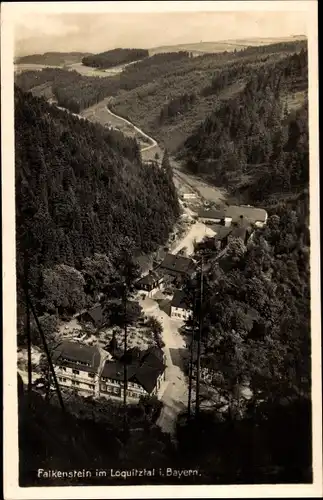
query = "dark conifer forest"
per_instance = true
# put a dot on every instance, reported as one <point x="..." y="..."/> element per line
<point x="253" y="139"/>
<point x="77" y="184"/>
<point x="114" y="57"/>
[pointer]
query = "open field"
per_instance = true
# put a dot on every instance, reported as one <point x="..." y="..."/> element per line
<point x="19" y="68"/>
<point x="221" y="45"/>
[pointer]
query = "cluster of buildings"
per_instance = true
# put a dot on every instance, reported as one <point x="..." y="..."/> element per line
<point x="234" y="215"/>
<point x="232" y="222"/>
<point x="174" y="269"/>
<point x="100" y="372"/>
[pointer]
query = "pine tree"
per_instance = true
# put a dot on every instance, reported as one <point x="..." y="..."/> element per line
<point x="165" y="165"/>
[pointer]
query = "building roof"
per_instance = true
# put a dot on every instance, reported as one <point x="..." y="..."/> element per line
<point x="153" y="357"/>
<point x="78" y="356"/>
<point x="180" y="300"/>
<point x="96" y="314"/>
<point x="211" y="213"/>
<point x="253" y="214"/>
<point x="250" y="213"/>
<point x="115" y="370"/>
<point x="239" y="232"/>
<point x="143" y="367"/>
<point x="149" y="279"/>
<point x="147" y="377"/>
<point x="222" y="232"/>
<point x="178" y="263"/>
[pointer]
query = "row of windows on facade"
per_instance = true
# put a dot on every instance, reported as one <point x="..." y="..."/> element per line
<point x="77" y="362"/>
<point x="179" y="315"/>
<point x="117" y="391"/>
<point x="111" y="390"/>
<point x="77" y="372"/>
<point x="111" y="381"/>
<point x="119" y="382"/>
<point x="74" y="382"/>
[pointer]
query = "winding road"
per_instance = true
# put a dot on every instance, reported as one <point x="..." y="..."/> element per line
<point x="174" y="393"/>
<point x="137" y="129"/>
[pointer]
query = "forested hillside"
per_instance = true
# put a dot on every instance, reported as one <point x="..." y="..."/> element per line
<point x="76" y="92"/>
<point x="52" y="58"/>
<point x="88" y="436"/>
<point x="77" y="184"/>
<point x="253" y="140"/>
<point x="114" y="57"/>
<point x="256" y="334"/>
<point x="211" y="79"/>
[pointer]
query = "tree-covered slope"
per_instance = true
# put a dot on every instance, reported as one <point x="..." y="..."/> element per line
<point x="114" y="57"/>
<point x="256" y="349"/>
<point x="254" y="140"/>
<point x="209" y="80"/>
<point x="77" y="92"/>
<point x="52" y="58"/>
<point x="82" y="189"/>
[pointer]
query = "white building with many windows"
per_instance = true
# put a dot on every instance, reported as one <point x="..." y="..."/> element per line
<point x="90" y="370"/>
<point x="77" y="366"/>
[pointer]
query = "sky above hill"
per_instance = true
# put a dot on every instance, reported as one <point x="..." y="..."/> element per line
<point x="41" y="32"/>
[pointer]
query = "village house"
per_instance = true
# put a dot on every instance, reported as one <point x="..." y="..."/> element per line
<point x="188" y="196"/>
<point x="221" y="239"/>
<point x="95" y="316"/>
<point x="180" y="308"/>
<point x="213" y="216"/>
<point x="145" y="371"/>
<point x="177" y="266"/>
<point x="233" y="214"/>
<point x="150" y="283"/>
<point x="254" y="215"/>
<point x="240" y="232"/>
<point x="77" y="366"/>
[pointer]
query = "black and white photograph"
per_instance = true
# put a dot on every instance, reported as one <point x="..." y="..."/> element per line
<point x="161" y="275"/>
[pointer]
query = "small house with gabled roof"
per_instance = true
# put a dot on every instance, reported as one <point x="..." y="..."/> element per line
<point x="177" y="266"/>
<point x="150" y="283"/>
<point x="180" y="306"/>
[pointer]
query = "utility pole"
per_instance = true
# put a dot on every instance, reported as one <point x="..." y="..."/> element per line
<point x="27" y="326"/>
<point x="190" y="385"/>
<point x="198" y="364"/>
<point x="49" y="359"/>
<point x="125" y="382"/>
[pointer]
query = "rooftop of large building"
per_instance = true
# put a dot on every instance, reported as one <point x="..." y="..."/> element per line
<point x="235" y="212"/>
<point x="149" y="279"/>
<point x="143" y="367"/>
<point x="180" y="300"/>
<point x="77" y="356"/>
<point x="178" y="263"/>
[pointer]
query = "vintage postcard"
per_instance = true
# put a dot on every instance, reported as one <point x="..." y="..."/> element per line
<point x="161" y="249"/>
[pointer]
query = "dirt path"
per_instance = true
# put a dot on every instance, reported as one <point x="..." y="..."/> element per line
<point x="196" y="234"/>
<point x="102" y="113"/>
<point x="141" y="132"/>
<point x="175" y="393"/>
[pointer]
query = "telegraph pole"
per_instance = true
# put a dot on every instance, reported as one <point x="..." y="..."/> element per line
<point x="27" y="325"/>
<point x="190" y="386"/>
<point x="49" y="359"/>
<point x="125" y="382"/>
<point x="198" y="364"/>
